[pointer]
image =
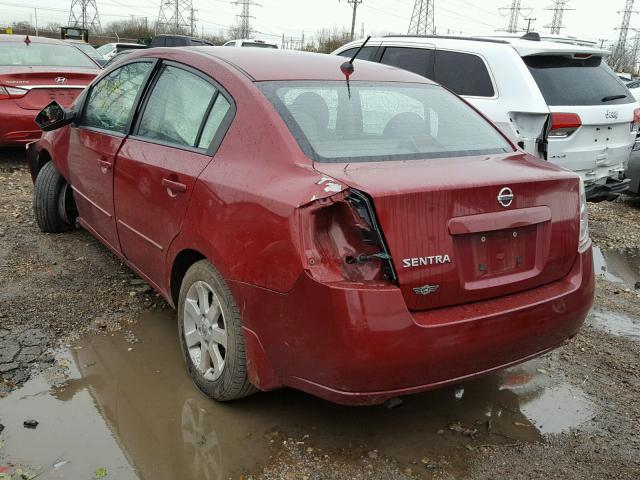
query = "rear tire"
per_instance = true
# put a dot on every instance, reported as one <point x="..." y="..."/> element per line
<point x="210" y="331"/>
<point x="51" y="198"/>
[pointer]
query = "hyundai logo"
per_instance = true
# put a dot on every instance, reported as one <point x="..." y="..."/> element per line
<point x="60" y="80"/>
<point x="505" y="197"/>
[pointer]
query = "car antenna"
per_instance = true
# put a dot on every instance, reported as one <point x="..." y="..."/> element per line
<point x="347" y="67"/>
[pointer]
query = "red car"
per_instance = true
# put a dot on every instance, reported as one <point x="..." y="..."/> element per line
<point x="33" y="72"/>
<point x="356" y="240"/>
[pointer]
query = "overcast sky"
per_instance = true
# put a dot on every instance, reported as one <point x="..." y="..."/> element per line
<point x="593" y="19"/>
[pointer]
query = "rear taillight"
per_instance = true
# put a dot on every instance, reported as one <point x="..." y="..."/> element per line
<point x="12" y="92"/>
<point x="342" y="240"/>
<point x="584" y="219"/>
<point x="564" y="124"/>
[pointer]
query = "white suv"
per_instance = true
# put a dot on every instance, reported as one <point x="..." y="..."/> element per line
<point x="558" y="101"/>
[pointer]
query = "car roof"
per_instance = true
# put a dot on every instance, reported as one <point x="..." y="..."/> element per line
<point x="32" y="38"/>
<point x="275" y="64"/>
<point x="524" y="47"/>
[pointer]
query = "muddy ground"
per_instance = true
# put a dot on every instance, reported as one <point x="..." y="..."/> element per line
<point x="89" y="352"/>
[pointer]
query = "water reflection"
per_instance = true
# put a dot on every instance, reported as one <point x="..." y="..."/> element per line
<point x="138" y="414"/>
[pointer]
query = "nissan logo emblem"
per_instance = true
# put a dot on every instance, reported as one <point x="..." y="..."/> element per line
<point x="505" y="197"/>
<point x="60" y="80"/>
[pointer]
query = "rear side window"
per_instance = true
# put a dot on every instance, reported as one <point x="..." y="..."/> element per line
<point x="42" y="55"/>
<point x="463" y="73"/>
<point x="367" y="53"/>
<point x="217" y="115"/>
<point x="569" y="81"/>
<point x="416" y="60"/>
<point x="111" y="99"/>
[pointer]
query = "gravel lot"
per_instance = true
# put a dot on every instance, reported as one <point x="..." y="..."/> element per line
<point x="56" y="290"/>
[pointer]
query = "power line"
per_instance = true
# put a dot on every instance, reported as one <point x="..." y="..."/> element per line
<point x="558" y="9"/>
<point x="84" y="13"/>
<point x="423" y="18"/>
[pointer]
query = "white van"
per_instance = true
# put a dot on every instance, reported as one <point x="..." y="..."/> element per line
<point x="556" y="100"/>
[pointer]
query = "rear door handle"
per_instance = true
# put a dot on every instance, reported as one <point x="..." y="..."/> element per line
<point x="104" y="165"/>
<point x="174" y="186"/>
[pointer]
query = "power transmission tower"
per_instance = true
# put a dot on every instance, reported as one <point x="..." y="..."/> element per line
<point x="245" y="17"/>
<point x="175" y="16"/>
<point x="558" y="9"/>
<point x="84" y="13"/>
<point x="423" y="18"/>
<point x="619" y="54"/>
<point x="514" y="13"/>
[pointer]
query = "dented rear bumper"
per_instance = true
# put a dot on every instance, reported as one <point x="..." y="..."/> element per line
<point x="358" y="345"/>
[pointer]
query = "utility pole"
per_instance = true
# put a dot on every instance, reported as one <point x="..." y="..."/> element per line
<point x="602" y="40"/>
<point x="176" y="16"/>
<point x="423" y="18"/>
<point x="529" y="20"/>
<point x="35" y="11"/>
<point x="84" y="13"/>
<point x="354" y="5"/>
<point x="514" y="16"/>
<point x="192" y="19"/>
<point x="633" y="59"/>
<point x="618" y="55"/>
<point x="558" y="8"/>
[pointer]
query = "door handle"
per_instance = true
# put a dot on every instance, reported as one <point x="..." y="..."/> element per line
<point x="104" y="165"/>
<point x="174" y="186"/>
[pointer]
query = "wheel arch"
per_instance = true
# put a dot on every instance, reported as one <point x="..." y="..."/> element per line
<point x="181" y="263"/>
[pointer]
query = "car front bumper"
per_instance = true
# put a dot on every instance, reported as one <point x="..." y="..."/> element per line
<point x="361" y="346"/>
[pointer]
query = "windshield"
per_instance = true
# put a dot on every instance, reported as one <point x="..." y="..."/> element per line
<point x="42" y="55"/>
<point x="574" y="81"/>
<point x="104" y="49"/>
<point x="381" y="121"/>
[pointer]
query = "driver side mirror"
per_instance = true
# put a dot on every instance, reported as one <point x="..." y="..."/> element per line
<point x="53" y="116"/>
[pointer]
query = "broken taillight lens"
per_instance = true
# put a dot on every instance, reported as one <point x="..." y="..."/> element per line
<point x="342" y="240"/>
<point x="564" y="124"/>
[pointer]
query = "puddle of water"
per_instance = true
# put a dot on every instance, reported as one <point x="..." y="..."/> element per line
<point x="615" y="323"/>
<point x="618" y="266"/>
<point x="137" y="414"/>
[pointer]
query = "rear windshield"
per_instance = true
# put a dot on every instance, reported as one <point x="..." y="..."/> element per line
<point x="570" y="81"/>
<point x="259" y="45"/>
<point x="381" y="121"/>
<point x="42" y="55"/>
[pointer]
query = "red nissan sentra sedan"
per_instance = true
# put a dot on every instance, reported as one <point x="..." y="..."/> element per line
<point x="356" y="241"/>
<point x="33" y="72"/>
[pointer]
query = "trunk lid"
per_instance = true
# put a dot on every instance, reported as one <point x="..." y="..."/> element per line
<point x="452" y="242"/>
<point x="45" y="84"/>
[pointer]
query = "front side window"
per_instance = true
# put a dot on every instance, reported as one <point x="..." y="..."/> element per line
<point x="381" y="121"/>
<point x="367" y="53"/>
<point x="111" y="100"/>
<point x="42" y="55"/>
<point x="176" y="107"/>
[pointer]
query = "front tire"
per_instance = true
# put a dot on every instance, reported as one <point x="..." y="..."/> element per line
<point x="210" y="331"/>
<point x="52" y="200"/>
